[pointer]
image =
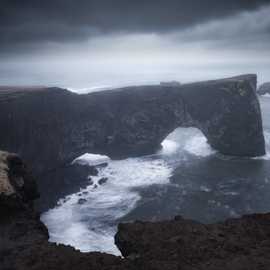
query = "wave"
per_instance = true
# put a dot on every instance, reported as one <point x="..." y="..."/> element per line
<point x="187" y="140"/>
<point x="198" y="146"/>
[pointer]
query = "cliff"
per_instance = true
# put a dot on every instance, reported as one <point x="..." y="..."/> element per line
<point x="169" y="245"/>
<point x="52" y="126"/>
<point x="49" y="127"/>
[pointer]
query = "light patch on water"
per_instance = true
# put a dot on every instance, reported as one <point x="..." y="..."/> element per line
<point x="91" y="159"/>
<point x="205" y="189"/>
<point x="87" y="220"/>
<point x="266" y="95"/>
<point x="169" y="147"/>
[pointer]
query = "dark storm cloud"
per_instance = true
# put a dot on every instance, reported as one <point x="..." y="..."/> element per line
<point x="26" y="22"/>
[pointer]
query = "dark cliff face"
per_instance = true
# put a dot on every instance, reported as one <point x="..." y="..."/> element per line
<point x="264" y="89"/>
<point x="51" y="126"/>
<point x="228" y="113"/>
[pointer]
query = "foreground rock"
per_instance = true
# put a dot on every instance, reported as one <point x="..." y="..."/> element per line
<point x="184" y="244"/>
<point x="169" y="245"/>
<point x="24" y="238"/>
<point x="264" y="89"/>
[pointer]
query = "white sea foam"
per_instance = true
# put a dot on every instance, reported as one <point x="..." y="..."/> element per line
<point x="92" y="159"/>
<point x="191" y="140"/>
<point x="169" y="147"/>
<point x="266" y="95"/>
<point x="198" y="146"/>
<point x="90" y="89"/>
<point x="90" y="226"/>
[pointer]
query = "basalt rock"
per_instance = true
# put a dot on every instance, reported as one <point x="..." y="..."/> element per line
<point x="52" y="126"/>
<point x="49" y="127"/>
<point x="62" y="181"/>
<point x="185" y="244"/>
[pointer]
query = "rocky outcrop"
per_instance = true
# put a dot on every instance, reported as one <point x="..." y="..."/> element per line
<point x="185" y="244"/>
<point x="24" y="238"/>
<point x="17" y="185"/>
<point x="264" y="89"/>
<point x="62" y="181"/>
<point x="169" y="245"/>
<point x="49" y="127"/>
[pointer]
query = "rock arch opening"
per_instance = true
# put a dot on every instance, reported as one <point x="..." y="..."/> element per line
<point x="190" y="140"/>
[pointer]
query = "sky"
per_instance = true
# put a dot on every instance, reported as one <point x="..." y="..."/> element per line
<point x="83" y="44"/>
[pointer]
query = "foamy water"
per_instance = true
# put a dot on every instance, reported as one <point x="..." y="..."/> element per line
<point x="91" y="225"/>
<point x="87" y="220"/>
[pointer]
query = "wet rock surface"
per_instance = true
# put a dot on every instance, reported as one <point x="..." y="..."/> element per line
<point x="185" y="244"/>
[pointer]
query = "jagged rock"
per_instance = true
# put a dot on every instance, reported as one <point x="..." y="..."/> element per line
<point x="264" y="89"/>
<point x="61" y="182"/>
<point x="242" y="243"/>
<point x="17" y="185"/>
<point x="102" y="181"/>
<point x="82" y="201"/>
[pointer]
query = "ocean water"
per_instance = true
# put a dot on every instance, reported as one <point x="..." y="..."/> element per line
<point x="186" y="177"/>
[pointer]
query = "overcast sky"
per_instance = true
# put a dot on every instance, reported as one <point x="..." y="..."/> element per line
<point x="81" y="44"/>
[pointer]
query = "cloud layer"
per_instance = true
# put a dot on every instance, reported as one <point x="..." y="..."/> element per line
<point x="33" y="21"/>
<point x="93" y="43"/>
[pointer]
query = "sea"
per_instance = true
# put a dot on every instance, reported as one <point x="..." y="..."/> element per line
<point x="186" y="177"/>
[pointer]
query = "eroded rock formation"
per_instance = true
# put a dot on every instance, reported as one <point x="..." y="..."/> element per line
<point x="52" y="126"/>
<point x="49" y="127"/>
<point x="169" y="245"/>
